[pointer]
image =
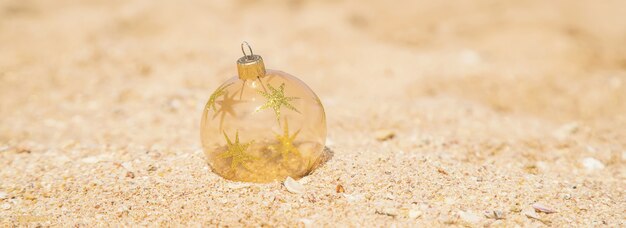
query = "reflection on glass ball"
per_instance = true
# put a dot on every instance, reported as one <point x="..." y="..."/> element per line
<point x="264" y="129"/>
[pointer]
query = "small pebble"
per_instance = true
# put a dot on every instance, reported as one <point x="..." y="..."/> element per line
<point x="384" y="135"/>
<point x="543" y="208"/>
<point x="592" y="164"/>
<point x="340" y="189"/>
<point x="29" y="196"/>
<point x="174" y="104"/>
<point x="293" y="186"/>
<point x="442" y="171"/>
<point x="567" y="196"/>
<point x="566" y="130"/>
<point x="128" y="166"/>
<point x="23" y="150"/>
<point x="414" y="213"/>
<point x="532" y="169"/>
<point x="6" y="206"/>
<point x="389" y="196"/>
<point x="469" y="217"/>
<point x="3" y="195"/>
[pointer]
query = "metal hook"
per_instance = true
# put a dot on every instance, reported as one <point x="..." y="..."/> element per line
<point x="244" y="52"/>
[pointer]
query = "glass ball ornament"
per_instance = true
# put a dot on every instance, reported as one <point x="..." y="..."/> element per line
<point x="263" y="125"/>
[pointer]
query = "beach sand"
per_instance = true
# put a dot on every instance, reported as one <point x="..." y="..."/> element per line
<point x="464" y="113"/>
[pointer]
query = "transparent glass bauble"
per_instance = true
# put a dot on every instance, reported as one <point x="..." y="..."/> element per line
<point x="264" y="129"/>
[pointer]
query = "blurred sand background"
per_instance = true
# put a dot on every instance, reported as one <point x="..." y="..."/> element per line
<point x="494" y="106"/>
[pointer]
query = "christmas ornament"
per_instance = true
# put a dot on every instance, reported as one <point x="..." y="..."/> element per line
<point x="263" y="125"/>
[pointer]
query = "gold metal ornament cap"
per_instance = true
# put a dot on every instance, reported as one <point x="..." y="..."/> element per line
<point x="250" y="66"/>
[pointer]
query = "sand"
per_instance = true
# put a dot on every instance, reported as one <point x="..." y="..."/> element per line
<point x="493" y="106"/>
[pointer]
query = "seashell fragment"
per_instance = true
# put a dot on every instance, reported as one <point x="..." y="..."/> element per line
<point x="354" y="197"/>
<point x="414" y="213"/>
<point x="531" y="214"/>
<point x="543" y="208"/>
<point x="293" y="186"/>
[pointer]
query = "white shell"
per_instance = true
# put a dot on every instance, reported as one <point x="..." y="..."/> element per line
<point x="543" y="208"/>
<point x="531" y="214"/>
<point x="469" y="217"/>
<point x="414" y="213"/>
<point x="592" y="164"/>
<point x="293" y="186"/>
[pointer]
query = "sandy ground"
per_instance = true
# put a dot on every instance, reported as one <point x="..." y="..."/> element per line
<point x="494" y="105"/>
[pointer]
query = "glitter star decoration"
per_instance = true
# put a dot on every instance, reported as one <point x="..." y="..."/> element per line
<point x="276" y="99"/>
<point x="237" y="152"/>
<point x="285" y="141"/>
<point x="226" y="107"/>
<point x="218" y="92"/>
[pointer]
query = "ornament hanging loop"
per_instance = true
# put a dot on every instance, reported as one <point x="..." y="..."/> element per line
<point x="249" y="48"/>
<point x="250" y="66"/>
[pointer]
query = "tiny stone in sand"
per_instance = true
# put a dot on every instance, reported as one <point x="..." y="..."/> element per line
<point x="414" y="213"/>
<point x="384" y="135"/>
<point x="592" y="164"/>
